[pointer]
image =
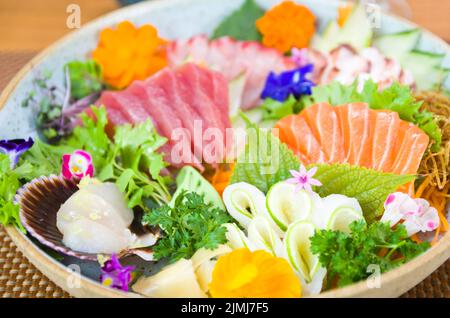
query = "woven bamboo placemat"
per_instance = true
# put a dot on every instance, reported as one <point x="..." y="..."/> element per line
<point x="19" y="278"/>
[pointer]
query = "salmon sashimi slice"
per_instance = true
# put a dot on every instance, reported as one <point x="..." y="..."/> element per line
<point x="300" y="138"/>
<point x="385" y="133"/>
<point x="354" y="119"/>
<point x="324" y="124"/>
<point x="376" y="139"/>
<point x="410" y="153"/>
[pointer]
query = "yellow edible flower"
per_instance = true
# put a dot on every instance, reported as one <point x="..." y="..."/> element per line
<point x="128" y="53"/>
<point x="259" y="274"/>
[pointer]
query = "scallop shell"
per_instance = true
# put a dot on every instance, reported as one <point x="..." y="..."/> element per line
<point x="40" y="201"/>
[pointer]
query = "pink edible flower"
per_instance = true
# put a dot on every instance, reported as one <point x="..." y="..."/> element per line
<point x="78" y="164"/>
<point x="300" y="56"/>
<point x="417" y="214"/>
<point x="303" y="179"/>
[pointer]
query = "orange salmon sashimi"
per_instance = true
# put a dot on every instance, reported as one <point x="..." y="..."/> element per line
<point x="295" y="132"/>
<point x="354" y="134"/>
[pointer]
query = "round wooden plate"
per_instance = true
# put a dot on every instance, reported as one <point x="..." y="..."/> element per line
<point x="180" y="18"/>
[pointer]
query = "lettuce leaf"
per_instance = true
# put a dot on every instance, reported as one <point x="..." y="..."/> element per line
<point x="241" y="23"/>
<point x="369" y="187"/>
<point x="264" y="161"/>
<point x="397" y="98"/>
<point x="273" y="109"/>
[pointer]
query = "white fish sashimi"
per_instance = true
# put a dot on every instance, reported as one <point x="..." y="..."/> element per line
<point x="95" y="219"/>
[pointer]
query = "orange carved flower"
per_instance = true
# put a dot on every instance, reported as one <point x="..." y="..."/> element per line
<point x="287" y="25"/>
<point x="259" y="274"/>
<point x="128" y="53"/>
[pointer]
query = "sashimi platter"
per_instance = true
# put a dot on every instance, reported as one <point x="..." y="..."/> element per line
<point x="232" y="149"/>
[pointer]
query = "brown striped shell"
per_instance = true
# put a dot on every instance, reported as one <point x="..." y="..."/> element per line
<point x="40" y="201"/>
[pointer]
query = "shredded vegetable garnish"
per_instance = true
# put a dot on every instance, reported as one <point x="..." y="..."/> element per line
<point x="436" y="165"/>
<point x="221" y="177"/>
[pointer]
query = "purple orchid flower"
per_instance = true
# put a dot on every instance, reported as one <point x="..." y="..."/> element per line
<point x="295" y="82"/>
<point x="303" y="179"/>
<point x="14" y="148"/>
<point x="115" y="275"/>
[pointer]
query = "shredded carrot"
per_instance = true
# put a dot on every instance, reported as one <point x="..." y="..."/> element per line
<point x="416" y="239"/>
<point x="422" y="187"/>
<point x="221" y="177"/>
<point x="344" y="12"/>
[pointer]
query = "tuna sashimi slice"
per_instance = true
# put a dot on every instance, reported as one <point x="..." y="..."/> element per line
<point x="324" y="124"/>
<point x="170" y="126"/>
<point x="232" y="58"/>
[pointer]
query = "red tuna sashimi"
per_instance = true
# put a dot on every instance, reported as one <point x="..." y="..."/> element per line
<point x="232" y="58"/>
<point x="158" y="106"/>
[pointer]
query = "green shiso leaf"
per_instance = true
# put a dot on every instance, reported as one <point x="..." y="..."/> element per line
<point x="85" y="78"/>
<point x="241" y="23"/>
<point x="397" y="98"/>
<point x="264" y="161"/>
<point x="369" y="187"/>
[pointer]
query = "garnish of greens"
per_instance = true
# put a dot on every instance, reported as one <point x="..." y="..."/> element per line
<point x="273" y="109"/>
<point x="347" y="256"/>
<point x="130" y="160"/>
<point x="57" y="108"/>
<point x="264" y="161"/>
<point x="241" y="24"/>
<point x="9" y="184"/>
<point x="190" y="225"/>
<point x="397" y="98"/>
<point x="369" y="187"/>
<point x="85" y="78"/>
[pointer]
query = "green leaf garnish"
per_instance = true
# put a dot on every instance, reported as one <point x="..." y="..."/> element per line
<point x="241" y="23"/>
<point x="369" y="187"/>
<point x="85" y="78"/>
<point x="264" y="161"/>
<point x="273" y="109"/>
<point x="189" y="225"/>
<point x="347" y="256"/>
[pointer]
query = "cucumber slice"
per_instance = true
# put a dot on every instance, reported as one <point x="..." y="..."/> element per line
<point x="357" y="31"/>
<point x="397" y="45"/>
<point x="285" y="205"/>
<point x="191" y="180"/>
<point x="297" y="246"/>
<point x="341" y="218"/>
<point x="425" y="68"/>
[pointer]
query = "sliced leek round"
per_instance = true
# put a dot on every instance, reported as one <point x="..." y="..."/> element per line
<point x="286" y="205"/>
<point x="263" y="237"/>
<point x="243" y="201"/>
<point x="297" y="247"/>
